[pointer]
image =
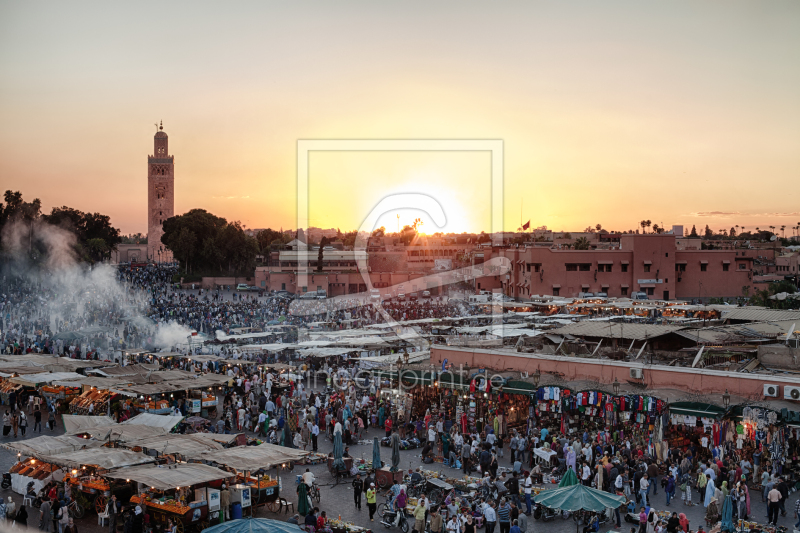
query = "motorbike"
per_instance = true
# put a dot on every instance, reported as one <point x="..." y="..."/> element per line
<point x="390" y="517"/>
<point x="6" y="480"/>
<point x="545" y="514"/>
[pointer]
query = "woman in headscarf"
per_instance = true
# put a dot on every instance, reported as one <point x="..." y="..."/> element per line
<point x="702" y="481"/>
<point x="744" y="500"/>
<point x="725" y="491"/>
<point x="445" y="444"/>
<point x="571" y="458"/>
<point x="381" y="416"/>
<point x="710" y="491"/>
<point x="652" y="520"/>
<point x="22" y="516"/>
<point x="673" y="524"/>
<point x="138" y="520"/>
<point x="684" y="522"/>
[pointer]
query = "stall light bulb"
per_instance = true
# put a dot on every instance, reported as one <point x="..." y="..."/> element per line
<point x="33" y="461"/>
<point x="127" y="480"/>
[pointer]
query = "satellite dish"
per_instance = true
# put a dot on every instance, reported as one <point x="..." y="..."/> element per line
<point x="773" y="238"/>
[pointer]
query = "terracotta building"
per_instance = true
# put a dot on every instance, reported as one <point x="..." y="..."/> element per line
<point x="647" y="263"/>
<point x="160" y="196"/>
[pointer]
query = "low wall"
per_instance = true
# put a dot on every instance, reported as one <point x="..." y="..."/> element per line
<point x="779" y="356"/>
<point x="214" y="282"/>
<point x="695" y="380"/>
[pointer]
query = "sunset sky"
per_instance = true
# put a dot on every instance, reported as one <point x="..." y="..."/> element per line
<point x="610" y="112"/>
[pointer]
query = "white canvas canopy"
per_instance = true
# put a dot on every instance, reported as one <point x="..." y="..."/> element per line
<point x="163" y="478"/>
<point x="47" y="445"/>
<point x="166" y="422"/>
<point x="76" y="423"/>
<point x="252" y="458"/>
<point x="100" y="457"/>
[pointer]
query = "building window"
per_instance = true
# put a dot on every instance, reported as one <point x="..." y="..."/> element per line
<point x="572" y="267"/>
<point x="624" y="291"/>
<point x="582" y="267"/>
<point x="680" y="267"/>
<point x="725" y="267"/>
<point x="556" y="290"/>
<point x="263" y="283"/>
<point x="666" y="295"/>
<point x="742" y="266"/>
<point x="604" y="268"/>
<point x="647" y="268"/>
<point x="703" y="267"/>
<point x="624" y="267"/>
<point x="305" y="289"/>
<point x="283" y="286"/>
<point x="650" y="291"/>
<point x="666" y="254"/>
<point x="319" y="287"/>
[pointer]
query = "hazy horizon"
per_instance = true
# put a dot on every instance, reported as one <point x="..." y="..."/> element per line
<point x="682" y="113"/>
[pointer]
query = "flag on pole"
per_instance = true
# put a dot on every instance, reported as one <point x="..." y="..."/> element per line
<point x="526" y="225"/>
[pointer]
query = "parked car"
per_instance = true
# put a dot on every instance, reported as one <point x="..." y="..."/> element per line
<point x="243" y="287"/>
<point x="426" y="294"/>
<point x="413" y="296"/>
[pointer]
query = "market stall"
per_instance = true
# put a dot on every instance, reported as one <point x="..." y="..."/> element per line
<point x="250" y="463"/>
<point x="180" y="492"/>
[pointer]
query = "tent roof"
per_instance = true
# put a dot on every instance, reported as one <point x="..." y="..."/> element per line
<point x="47" y="445"/>
<point x="253" y="458"/>
<point x="187" y="445"/>
<point x="101" y="457"/>
<point x="166" y="422"/>
<point x="163" y="478"/>
<point x="75" y="423"/>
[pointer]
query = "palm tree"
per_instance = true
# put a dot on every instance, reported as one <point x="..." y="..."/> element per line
<point x="581" y="243"/>
<point x="647" y="223"/>
<point x="643" y="224"/>
<point x="783" y="231"/>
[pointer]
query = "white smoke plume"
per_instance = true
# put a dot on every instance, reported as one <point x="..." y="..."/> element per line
<point x="66" y="286"/>
<point x="170" y="335"/>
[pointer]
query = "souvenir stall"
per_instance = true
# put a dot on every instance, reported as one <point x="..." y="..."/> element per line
<point x="617" y="417"/>
<point x="690" y="421"/>
<point x="758" y="435"/>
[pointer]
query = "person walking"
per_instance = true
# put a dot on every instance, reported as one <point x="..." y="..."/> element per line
<point x="112" y="514"/>
<point x="372" y="501"/>
<point x="490" y="515"/>
<point x="644" y="486"/>
<point x="358" y="488"/>
<point x="37" y="420"/>
<point x="773" y="506"/>
<point x="23" y="423"/>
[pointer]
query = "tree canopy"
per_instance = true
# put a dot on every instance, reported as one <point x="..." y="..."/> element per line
<point x="95" y="237"/>
<point x="205" y="244"/>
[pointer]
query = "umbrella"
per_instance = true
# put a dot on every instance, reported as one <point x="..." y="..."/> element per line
<point x="578" y="497"/>
<point x="338" y="452"/>
<point x="303" y="506"/>
<point x="727" y="514"/>
<point x="376" y="454"/>
<point x="395" y="452"/>
<point x="254" y="525"/>
<point x="287" y="436"/>
<point x="569" y="479"/>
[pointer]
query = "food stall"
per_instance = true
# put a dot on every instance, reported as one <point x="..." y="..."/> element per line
<point x="84" y="469"/>
<point x="97" y="398"/>
<point x="180" y="492"/>
<point x="249" y="465"/>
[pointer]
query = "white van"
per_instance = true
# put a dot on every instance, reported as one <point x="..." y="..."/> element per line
<point x="375" y="295"/>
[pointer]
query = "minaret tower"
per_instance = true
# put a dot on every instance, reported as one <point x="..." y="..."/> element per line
<point x="160" y="196"/>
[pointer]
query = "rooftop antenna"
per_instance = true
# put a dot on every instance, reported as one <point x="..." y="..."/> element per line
<point x="398" y="222"/>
